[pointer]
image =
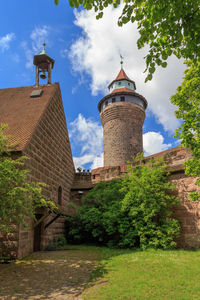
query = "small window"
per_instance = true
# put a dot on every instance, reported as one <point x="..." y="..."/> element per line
<point x="106" y="103"/>
<point x="93" y="176"/>
<point x="122" y="99"/>
<point x="113" y="100"/>
<point x="129" y="83"/>
<point x="119" y="83"/>
<point x="60" y="195"/>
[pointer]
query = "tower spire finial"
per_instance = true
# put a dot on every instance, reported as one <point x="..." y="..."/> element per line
<point x="121" y="62"/>
<point x="43" y="50"/>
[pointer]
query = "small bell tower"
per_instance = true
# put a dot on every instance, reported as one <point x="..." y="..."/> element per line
<point x="43" y="64"/>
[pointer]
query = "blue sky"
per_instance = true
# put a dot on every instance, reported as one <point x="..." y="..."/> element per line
<point x="86" y="54"/>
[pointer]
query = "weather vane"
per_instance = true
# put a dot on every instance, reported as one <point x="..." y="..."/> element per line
<point x="121" y="62"/>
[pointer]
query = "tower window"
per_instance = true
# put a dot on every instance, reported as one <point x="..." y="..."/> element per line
<point x="113" y="100"/>
<point x="119" y="83"/>
<point x="106" y="103"/>
<point x="122" y="99"/>
<point x="60" y="195"/>
<point x="129" y="83"/>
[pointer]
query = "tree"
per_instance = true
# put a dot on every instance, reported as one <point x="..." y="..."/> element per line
<point x="149" y="201"/>
<point x="18" y="198"/>
<point x="167" y="27"/>
<point x="187" y="99"/>
<point x="133" y="212"/>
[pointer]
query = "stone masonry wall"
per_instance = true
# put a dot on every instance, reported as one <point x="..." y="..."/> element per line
<point x="50" y="162"/>
<point x="122" y="125"/>
<point x="81" y="186"/>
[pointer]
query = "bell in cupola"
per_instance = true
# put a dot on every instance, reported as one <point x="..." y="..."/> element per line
<point x="43" y="75"/>
<point x="43" y="64"/>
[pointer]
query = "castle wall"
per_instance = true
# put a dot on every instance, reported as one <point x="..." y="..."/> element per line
<point x="122" y="127"/>
<point x="50" y="161"/>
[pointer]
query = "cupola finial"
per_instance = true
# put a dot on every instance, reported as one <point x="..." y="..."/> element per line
<point x="121" y="62"/>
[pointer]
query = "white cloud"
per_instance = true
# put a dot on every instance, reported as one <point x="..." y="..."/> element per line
<point x="96" y="53"/>
<point x="88" y="135"/>
<point x="153" y="142"/>
<point x="37" y="36"/>
<point x="97" y="162"/>
<point x="5" y="41"/>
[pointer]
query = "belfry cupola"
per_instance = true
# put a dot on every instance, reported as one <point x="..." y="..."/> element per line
<point x="122" y="114"/>
<point x="44" y="64"/>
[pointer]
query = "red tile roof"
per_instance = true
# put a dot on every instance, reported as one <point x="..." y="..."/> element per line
<point x="122" y="75"/>
<point x="22" y="113"/>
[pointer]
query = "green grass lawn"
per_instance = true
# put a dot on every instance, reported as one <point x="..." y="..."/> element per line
<point x="126" y="274"/>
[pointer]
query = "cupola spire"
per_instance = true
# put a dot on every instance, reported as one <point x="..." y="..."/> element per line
<point x="121" y="62"/>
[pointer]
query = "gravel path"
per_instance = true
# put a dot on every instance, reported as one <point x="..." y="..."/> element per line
<point x="55" y="275"/>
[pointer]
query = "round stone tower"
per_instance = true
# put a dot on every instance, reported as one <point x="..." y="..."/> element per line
<point x="122" y="114"/>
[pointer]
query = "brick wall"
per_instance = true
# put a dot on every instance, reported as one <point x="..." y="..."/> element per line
<point x="122" y="127"/>
<point x="50" y="162"/>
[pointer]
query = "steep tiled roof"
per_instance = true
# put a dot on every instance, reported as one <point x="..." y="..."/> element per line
<point x="122" y="75"/>
<point x="22" y="113"/>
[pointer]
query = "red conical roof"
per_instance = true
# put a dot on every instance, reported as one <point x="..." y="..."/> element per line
<point x="122" y="75"/>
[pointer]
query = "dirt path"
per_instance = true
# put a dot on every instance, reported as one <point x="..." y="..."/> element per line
<point x="55" y="275"/>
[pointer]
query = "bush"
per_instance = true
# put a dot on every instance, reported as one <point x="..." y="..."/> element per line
<point x="59" y="243"/>
<point x="132" y="212"/>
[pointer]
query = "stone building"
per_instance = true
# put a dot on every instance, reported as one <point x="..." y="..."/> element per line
<point x="36" y="121"/>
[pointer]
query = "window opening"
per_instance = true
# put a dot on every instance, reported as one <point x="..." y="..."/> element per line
<point x="113" y="100"/>
<point x="122" y="99"/>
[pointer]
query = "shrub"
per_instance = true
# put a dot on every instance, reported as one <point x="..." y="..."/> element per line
<point x="133" y="212"/>
<point x="59" y="243"/>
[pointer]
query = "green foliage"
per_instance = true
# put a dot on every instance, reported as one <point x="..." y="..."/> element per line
<point x="133" y="212"/>
<point x="167" y="27"/>
<point x="100" y="218"/>
<point x="187" y="98"/>
<point x="149" y="200"/>
<point x="18" y="198"/>
<point x="59" y="243"/>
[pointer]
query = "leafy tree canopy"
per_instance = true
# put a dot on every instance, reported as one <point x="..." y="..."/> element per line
<point x="167" y="27"/>
<point x="18" y="198"/>
<point x="187" y="99"/>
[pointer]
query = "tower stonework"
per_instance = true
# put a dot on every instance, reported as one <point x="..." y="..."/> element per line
<point x="122" y="114"/>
